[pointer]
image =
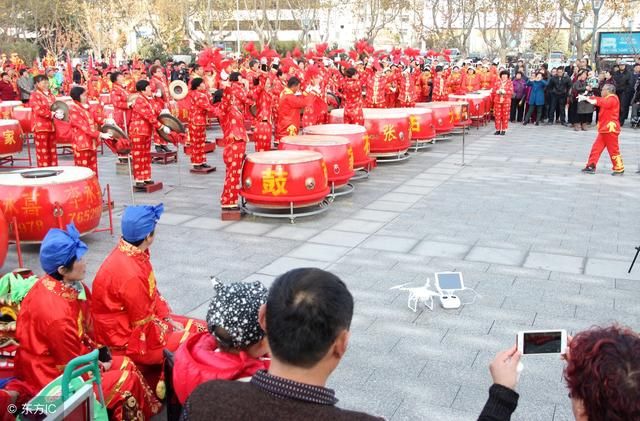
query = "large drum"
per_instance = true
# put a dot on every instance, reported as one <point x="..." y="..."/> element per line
<point x="336" y="116"/>
<point x="25" y="117"/>
<point x="6" y="109"/>
<point x="105" y="99"/>
<point x="488" y="101"/>
<point x="337" y="153"/>
<point x="354" y="133"/>
<point x="97" y="109"/>
<point x="421" y="123"/>
<point x="52" y="197"/>
<point x="108" y="111"/>
<point x="10" y="140"/>
<point x="460" y="111"/>
<point x="476" y="104"/>
<point x="388" y="131"/>
<point x="443" y="119"/>
<point x="183" y="109"/>
<point x="4" y="238"/>
<point x="280" y="179"/>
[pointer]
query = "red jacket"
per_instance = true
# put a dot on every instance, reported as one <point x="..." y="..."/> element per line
<point x="144" y="117"/>
<point x="121" y="110"/>
<point x="40" y="103"/>
<point x="54" y="326"/>
<point x="289" y="112"/>
<point x="506" y="86"/>
<point x="84" y="131"/>
<point x="609" y="116"/>
<point x="200" y="107"/>
<point x="128" y="309"/>
<point x="7" y="92"/>
<point x="160" y="84"/>
<point x="198" y="360"/>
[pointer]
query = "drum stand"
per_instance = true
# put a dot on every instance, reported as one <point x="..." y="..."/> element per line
<point x="11" y="160"/>
<point x="291" y="212"/>
<point x="395" y="157"/>
<point x="420" y="144"/>
<point x="110" y="212"/>
<point x="340" y="191"/>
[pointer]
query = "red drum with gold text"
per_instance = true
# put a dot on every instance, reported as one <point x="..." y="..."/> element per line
<point x="476" y="103"/>
<point x="52" y="197"/>
<point x="336" y="116"/>
<point x="25" y="117"/>
<point x="183" y="109"/>
<point x="10" y="140"/>
<point x="354" y="133"/>
<point x="443" y="119"/>
<point x="97" y="109"/>
<point x="388" y="131"/>
<point x="421" y="123"/>
<point x="337" y="153"/>
<point x="4" y="237"/>
<point x="277" y="179"/>
<point x="6" y="109"/>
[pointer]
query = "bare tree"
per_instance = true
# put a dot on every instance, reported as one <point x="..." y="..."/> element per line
<point x="377" y="14"/>
<point x="502" y="24"/>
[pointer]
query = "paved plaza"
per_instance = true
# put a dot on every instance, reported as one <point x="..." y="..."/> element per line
<point x="544" y="245"/>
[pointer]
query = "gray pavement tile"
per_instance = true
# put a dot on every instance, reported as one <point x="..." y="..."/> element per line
<point x="169" y="218"/>
<point x="293" y="232"/>
<point x="516" y="271"/>
<point x="555" y="262"/>
<point x="206" y="223"/>
<point x="496" y="255"/>
<point x="388" y="243"/>
<point x="320" y="252"/>
<point x="610" y="269"/>
<point x="441" y="249"/>
<point x="339" y="238"/>
<point x="358" y="225"/>
<point x="374" y="215"/>
<point x="414" y="190"/>
<point x="401" y="198"/>
<point x="284" y="264"/>
<point x="385" y="205"/>
<point x="265" y="280"/>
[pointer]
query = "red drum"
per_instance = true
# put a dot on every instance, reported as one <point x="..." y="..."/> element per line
<point x="105" y="99"/>
<point x="421" y="123"/>
<point x="173" y="108"/>
<point x="460" y="113"/>
<point x="442" y="115"/>
<point x="354" y="133"/>
<point x="337" y="153"/>
<point x="36" y="197"/>
<point x="388" y="131"/>
<point x="97" y="109"/>
<point x="4" y="238"/>
<point x="108" y="111"/>
<point x="336" y="116"/>
<point x="6" y="109"/>
<point x="275" y="179"/>
<point x="488" y="101"/>
<point x="183" y="109"/>
<point x="476" y="103"/>
<point x="10" y="140"/>
<point x="24" y="116"/>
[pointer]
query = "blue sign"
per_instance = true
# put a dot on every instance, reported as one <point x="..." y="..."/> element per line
<point x="619" y="43"/>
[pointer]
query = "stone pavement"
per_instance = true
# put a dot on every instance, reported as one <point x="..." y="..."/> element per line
<point x="544" y="245"/>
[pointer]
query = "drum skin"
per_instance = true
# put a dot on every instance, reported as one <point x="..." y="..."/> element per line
<point x="33" y="201"/>
<point x="25" y="117"/>
<point x="476" y="103"/>
<point x="10" y="140"/>
<point x="354" y="133"/>
<point x="336" y="116"/>
<point x="442" y="115"/>
<point x="336" y="151"/>
<point x="275" y="179"/>
<point x="421" y="123"/>
<point x="4" y="237"/>
<point x="388" y="131"/>
<point x="6" y="109"/>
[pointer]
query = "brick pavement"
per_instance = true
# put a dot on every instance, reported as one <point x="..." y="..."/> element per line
<point x="544" y="245"/>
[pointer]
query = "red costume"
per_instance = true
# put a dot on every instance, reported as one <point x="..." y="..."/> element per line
<point x="352" y="97"/>
<point x="130" y="314"/>
<point x="502" y="93"/>
<point x="159" y="85"/>
<point x="608" y="131"/>
<point x="121" y="110"/>
<point x="376" y="90"/>
<point x="84" y="134"/>
<point x="198" y="360"/>
<point x="407" y="92"/>
<point x="424" y="86"/>
<point x="234" y="101"/>
<point x="144" y="119"/>
<point x="43" y="129"/>
<point x="455" y="83"/>
<point x="289" y="112"/>
<point x="54" y="326"/>
<point x="472" y="83"/>
<point x="440" y="91"/>
<point x="200" y="107"/>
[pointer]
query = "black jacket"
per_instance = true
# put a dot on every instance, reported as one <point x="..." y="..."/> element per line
<point x="624" y="81"/>
<point x="559" y="85"/>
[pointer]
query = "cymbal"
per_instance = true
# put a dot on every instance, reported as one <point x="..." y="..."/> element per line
<point x="61" y="106"/>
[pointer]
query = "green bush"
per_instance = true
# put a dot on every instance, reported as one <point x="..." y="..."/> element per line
<point x="27" y="51"/>
<point x="148" y="49"/>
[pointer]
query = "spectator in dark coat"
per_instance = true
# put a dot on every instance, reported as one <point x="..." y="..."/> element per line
<point x="624" y="89"/>
<point x="7" y="93"/>
<point x="558" y="89"/>
<point x="519" y="97"/>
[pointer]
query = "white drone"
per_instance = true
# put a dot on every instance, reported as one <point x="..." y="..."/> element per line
<point x="418" y="294"/>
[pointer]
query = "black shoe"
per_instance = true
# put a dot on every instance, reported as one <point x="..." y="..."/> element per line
<point x="165" y="148"/>
<point x="497" y="132"/>
<point x="537" y="123"/>
<point x="525" y="123"/>
<point x="198" y="167"/>
<point x="503" y="133"/>
<point x="159" y="149"/>
<point x="564" y="124"/>
<point x="589" y="169"/>
<point x="149" y="182"/>
<point x="206" y="166"/>
<point x="617" y="172"/>
<point x="139" y="184"/>
<point x="550" y="123"/>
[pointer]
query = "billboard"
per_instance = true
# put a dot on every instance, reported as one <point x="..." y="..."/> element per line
<point x="618" y="43"/>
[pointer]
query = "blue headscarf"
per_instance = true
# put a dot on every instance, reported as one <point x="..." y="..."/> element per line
<point x="60" y="247"/>
<point x="139" y="221"/>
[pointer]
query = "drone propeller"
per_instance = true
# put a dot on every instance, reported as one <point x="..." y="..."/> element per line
<point x="400" y="286"/>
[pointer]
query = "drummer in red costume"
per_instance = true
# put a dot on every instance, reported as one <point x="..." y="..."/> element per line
<point x="291" y="103"/>
<point x="84" y="131"/>
<point x="439" y="91"/>
<point x="144" y="119"/>
<point x="263" y="121"/>
<point x="608" y="130"/>
<point x="234" y="101"/>
<point x="424" y="85"/>
<point x="160" y="90"/>
<point x="352" y="97"/>
<point x="455" y="81"/>
<point x="407" y="89"/>
<point x="502" y="93"/>
<point x="377" y="85"/>
<point x="200" y="107"/>
<point x="130" y="314"/>
<point x="55" y="325"/>
<point x="472" y="82"/>
<point x="119" y="100"/>
<point x="43" y="129"/>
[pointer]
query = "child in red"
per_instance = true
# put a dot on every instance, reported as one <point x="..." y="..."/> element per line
<point x="235" y="346"/>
